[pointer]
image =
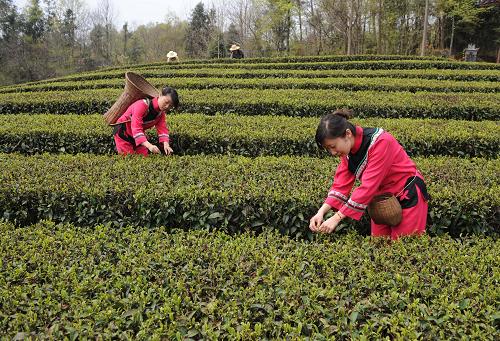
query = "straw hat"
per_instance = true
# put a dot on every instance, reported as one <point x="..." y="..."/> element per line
<point x="385" y="209"/>
<point x="172" y="54"/>
<point x="234" y="47"/>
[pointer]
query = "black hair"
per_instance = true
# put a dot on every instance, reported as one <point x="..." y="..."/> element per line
<point x="168" y="91"/>
<point x="333" y="125"/>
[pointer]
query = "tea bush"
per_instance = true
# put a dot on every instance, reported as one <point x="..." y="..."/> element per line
<point x="230" y="192"/>
<point x="243" y="135"/>
<point x="98" y="282"/>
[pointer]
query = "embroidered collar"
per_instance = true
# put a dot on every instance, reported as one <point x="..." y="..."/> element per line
<point x="155" y="104"/>
<point x="357" y="141"/>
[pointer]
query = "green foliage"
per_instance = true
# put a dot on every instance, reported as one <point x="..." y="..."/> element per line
<point x="465" y="11"/>
<point x="151" y="74"/>
<point x="348" y="65"/>
<point x="107" y="280"/>
<point x="295" y="102"/>
<point x="198" y="32"/>
<point x="35" y="23"/>
<point x="315" y="64"/>
<point x="291" y="59"/>
<point x="232" y="193"/>
<point x="354" y="84"/>
<point x="98" y="282"/>
<point x="10" y="23"/>
<point x="243" y="135"/>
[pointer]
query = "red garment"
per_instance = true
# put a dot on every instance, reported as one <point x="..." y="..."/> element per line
<point x="124" y="147"/>
<point x="137" y="121"/>
<point x="386" y="168"/>
<point x="413" y="222"/>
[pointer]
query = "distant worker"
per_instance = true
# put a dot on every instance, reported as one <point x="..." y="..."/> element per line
<point x="236" y="52"/>
<point x="172" y="57"/>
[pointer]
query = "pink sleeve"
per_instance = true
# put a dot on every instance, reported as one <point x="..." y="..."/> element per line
<point x="341" y="187"/>
<point x="162" y="129"/>
<point x="380" y="158"/>
<point x="139" y="110"/>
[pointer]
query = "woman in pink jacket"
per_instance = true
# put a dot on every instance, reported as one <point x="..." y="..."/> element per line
<point x="377" y="160"/>
<point x="129" y="131"/>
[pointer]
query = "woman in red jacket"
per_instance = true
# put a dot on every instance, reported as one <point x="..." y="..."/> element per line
<point x="129" y="131"/>
<point x="377" y="160"/>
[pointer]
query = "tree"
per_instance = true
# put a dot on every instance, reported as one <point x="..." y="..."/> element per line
<point x="316" y="23"/>
<point x="98" y="44"/>
<point x="424" y="34"/>
<point x="136" y="49"/>
<point x="34" y="26"/>
<point x="279" y="22"/>
<point x="233" y="35"/>
<point x="217" y="47"/>
<point x="82" y="17"/>
<point x="9" y="21"/>
<point x="198" y="33"/>
<point x="126" y="36"/>
<point x="68" y="28"/>
<point x="298" y="6"/>
<point x="51" y="14"/>
<point x="460" y="12"/>
<point x="10" y="27"/>
<point x="105" y="16"/>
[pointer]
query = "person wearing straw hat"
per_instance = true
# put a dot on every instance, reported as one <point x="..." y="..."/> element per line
<point x="129" y="131"/>
<point x="172" y="57"/>
<point x="236" y="52"/>
<point x="379" y="162"/>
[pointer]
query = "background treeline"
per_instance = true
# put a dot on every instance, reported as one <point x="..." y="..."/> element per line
<point x="49" y="38"/>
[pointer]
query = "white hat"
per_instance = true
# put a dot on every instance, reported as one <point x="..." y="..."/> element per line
<point x="172" y="54"/>
<point x="234" y="47"/>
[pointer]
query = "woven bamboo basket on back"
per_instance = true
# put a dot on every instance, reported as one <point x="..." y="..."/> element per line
<point x="136" y="87"/>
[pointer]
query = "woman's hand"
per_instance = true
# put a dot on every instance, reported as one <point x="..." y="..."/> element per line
<point x="151" y="147"/>
<point x="154" y="149"/>
<point x="315" y="222"/>
<point x="166" y="147"/>
<point x="331" y="224"/>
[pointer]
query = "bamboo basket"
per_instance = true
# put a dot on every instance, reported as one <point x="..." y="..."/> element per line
<point x="385" y="209"/>
<point x="136" y="87"/>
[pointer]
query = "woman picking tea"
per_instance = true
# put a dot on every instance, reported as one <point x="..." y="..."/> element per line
<point x="379" y="162"/>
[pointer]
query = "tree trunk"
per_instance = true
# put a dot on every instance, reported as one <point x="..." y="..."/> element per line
<point x="363" y="34"/>
<point x="379" y="24"/>
<point x="359" y="28"/>
<point x="373" y="23"/>
<point x="288" y="30"/>
<point x="299" y="6"/>
<point x="349" y="39"/>
<point x="452" y="33"/>
<point x="424" y="35"/>
<point x="320" y="44"/>
<point x="125" y="38"/>
<point x="316" y="29"/>
<point x="349" y="28"/>
<point x="441" y="32"/>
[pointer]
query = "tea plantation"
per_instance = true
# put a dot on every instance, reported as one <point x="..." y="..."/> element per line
<point x="213" y="243"/>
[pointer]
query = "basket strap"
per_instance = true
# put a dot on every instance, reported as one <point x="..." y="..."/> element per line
<point x="152" y="113"/>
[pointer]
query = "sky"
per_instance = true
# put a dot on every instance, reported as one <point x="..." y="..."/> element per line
<point x="140" y="12"/>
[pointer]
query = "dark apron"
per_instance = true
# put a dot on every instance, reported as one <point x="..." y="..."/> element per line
<point x="411" y="199"/>
<point x="121" y="131"/>
<point x="121" y="128"/>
